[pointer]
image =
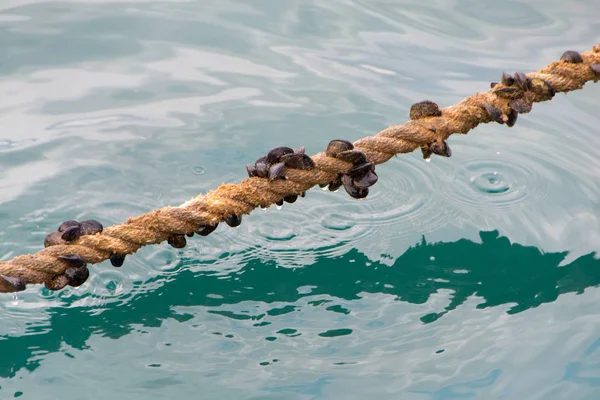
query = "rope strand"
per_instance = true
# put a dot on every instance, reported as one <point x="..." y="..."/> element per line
<point x="64" y="259"/>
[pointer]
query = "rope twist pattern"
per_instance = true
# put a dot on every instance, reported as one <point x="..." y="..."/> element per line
<point x="287" y="174"/>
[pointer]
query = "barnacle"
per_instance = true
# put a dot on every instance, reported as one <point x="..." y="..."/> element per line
<point x="424" y="109"/>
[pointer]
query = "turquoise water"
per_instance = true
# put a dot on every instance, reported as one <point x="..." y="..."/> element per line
<point x="473" y="277"/>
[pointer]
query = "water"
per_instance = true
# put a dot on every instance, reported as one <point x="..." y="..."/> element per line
<point x="470" y="277"/>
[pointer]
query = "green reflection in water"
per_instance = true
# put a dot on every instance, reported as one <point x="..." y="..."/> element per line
<point x="495" y="270"/>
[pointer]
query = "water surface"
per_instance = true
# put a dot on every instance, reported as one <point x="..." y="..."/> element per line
<point x="470" y="277"/>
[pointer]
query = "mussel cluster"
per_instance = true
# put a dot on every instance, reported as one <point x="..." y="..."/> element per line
<point x="426" y="109"/>
<point x="77" y="272"/>
<point x="516" y="87"/>
<point x="273" y="165"/>
<point x="357" y="180"/>
<point x="70" y="230"/>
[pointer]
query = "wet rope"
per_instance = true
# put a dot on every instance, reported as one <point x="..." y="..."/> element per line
<point x="284" y="174"/>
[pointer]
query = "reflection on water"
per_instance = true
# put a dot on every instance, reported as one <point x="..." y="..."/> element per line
<point x="493" y="270"/>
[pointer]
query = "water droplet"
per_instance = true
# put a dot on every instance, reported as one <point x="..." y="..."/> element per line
<point x="279" y="207"/>
<point x="15" y="299"/>
<point x="428" y="159"/>
<point x="325" y="187"/>
<point x="198" y="170"/>
<point x="432" y="258"/>
<point x="498" y="152"/>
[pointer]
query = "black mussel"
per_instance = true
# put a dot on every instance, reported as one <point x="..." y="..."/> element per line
<point x="494" y="112"/>
<point x="262" y="167"/>
<point x="303" y="194"/>
<point x="352" y="190"/>
<point x="233" y="220"/>
<point x="424" y="109"/>
<point x="251" y="169"/>
<point x="290" y="198"/>
<point x="117" y="260"/>
<point x="77" y="276"/>
<point x="298" y="161"/>
<point x="53" y="238"/>
<point x="71" y="233"/>
<point x="206" y="230"/>
<point x="352" y="156"/>
<point x="361" y="170"/>
<point x="571" y="56"/>
<point x="521" y="80"/>
<point x="67" y="224"/>
<point x="507" y="79"/>
<point x="441" y="149"/>
<point x="337" y="146"/>
<point x="190" y="234"/>
<point x="335" y="184"/>
<point x="520" y="105"/>
<point x="90" y="227"/>
<point x="279" y="202"/>
<point x="276" y="171"/>
<point x="512" y="117"/>
<point x="275" y="154"/>
<point x="17" y="284"/>
<point x="366" y="181"/>
<point x="426" y="152"/>
<point x="177" y="241"/>
<point x="74" y="260"/>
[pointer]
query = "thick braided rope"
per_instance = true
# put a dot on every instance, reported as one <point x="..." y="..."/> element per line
<point x="45" y="266"/>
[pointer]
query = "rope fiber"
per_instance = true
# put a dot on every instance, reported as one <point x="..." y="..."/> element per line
<point x="284" y="174"/>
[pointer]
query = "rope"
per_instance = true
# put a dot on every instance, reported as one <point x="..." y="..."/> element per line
<point x="284" y="174"/>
